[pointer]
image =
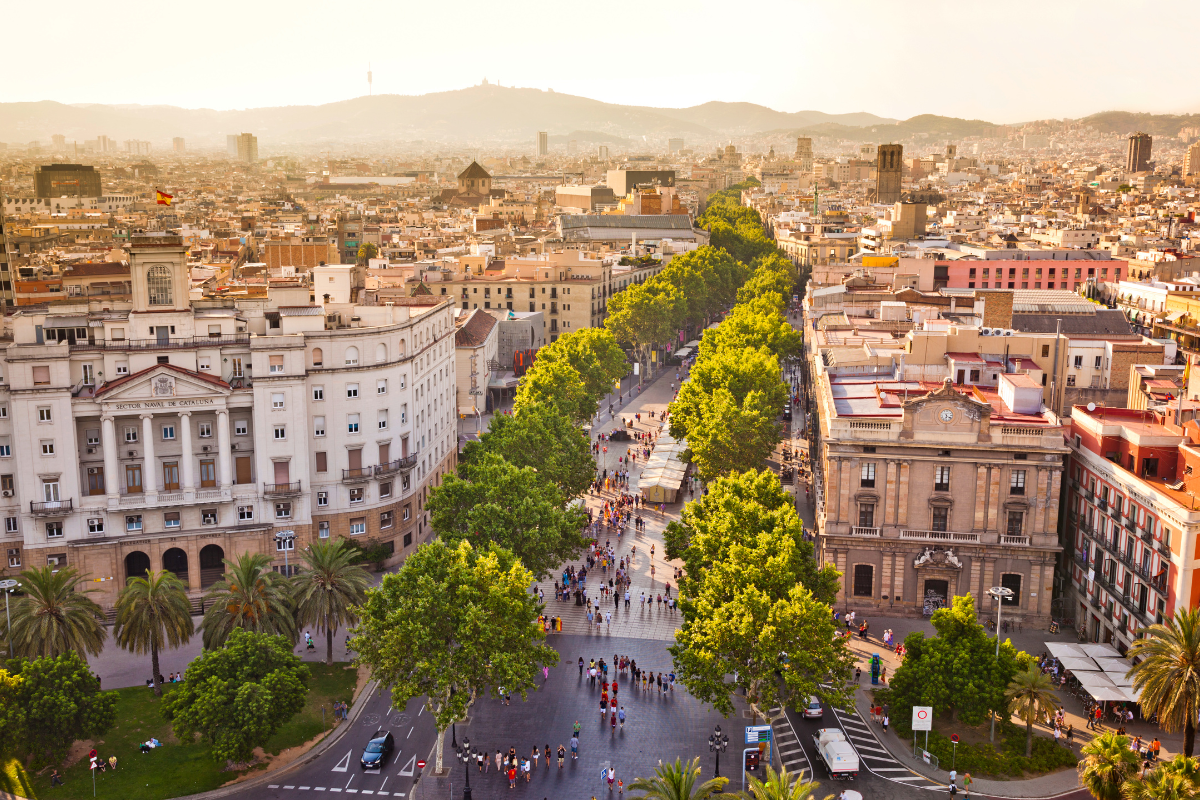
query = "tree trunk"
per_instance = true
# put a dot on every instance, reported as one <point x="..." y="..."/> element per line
<point x="441" y="741"/>
<point x="328" y="643"/>
<point x="1189" y="737"/>
<point x="1028" y="738"/>
<point x="154" y="669"/>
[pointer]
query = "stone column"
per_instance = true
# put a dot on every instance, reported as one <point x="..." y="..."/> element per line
<point x="1030" y="605"/>
<point x="108" y="439"/>
<point x="902" y="505"/>
<point x="898" y="574"/>
<point x="1037" y="503"/>
<point x="976" y="570"/>
<point x="149" y="463"/>
<point x="186" y="469"/>
<point x="888" y="494"/>
<point x="993" y="512"/>
<point x="192" y="547"/>
<point x="885" y="581"/>
<point x="845" y="511"/>
<point x="224" y="454"/>
<point x="833" y="480"/>
<point x="1052" y="501"/>
<point x="981" y="490"/>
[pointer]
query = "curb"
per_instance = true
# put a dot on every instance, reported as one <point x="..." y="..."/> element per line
<point x="318" y="749"/>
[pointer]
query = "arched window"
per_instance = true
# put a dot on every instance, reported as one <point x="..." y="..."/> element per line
<point x="351" y="356"/>
<point x="158" y="285"/>
<point x="380" y="353"/>
<point x="318" y="357"/>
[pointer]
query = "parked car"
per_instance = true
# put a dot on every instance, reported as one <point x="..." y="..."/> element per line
<point x="813" y="710"/>
<point x="380" y="746"/>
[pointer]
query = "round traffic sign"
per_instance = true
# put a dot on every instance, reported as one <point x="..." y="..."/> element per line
<point x="954" y="738"/>
<point x="922" y="714"/>
<point x="421" y="764"/>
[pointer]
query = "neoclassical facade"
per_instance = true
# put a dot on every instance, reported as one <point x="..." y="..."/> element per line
<point x="170" y="432"/>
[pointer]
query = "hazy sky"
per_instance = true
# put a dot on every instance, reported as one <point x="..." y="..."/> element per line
<point x="1003" y="61"/>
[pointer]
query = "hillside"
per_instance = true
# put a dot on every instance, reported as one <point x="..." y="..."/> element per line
<point x="1123" y="122"/>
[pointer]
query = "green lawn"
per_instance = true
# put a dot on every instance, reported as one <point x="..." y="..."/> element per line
<point x="176" y="769"/>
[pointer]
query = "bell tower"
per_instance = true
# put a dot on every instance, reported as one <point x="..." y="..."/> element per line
<point x="159" y="273"/>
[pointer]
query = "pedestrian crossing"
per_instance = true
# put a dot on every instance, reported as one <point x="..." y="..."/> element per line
<point x="875" y="758"/>
<point x="791" y="752"/>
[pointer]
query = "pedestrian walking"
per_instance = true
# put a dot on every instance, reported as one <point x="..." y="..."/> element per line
<point x="562" y="756"/>
<point x="581" y="666"/>
<point x="575" y="748"/>
<point x="886" y="721"/>
<point x="621" y="716"/>
<point x="547" y="756"/>
<point x="967" y="785"/>
<point x="536" y="753"/>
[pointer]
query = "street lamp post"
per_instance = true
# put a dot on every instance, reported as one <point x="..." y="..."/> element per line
<point x="8" y="585"/>
<point x="717" y="743"/>
<point x="285" y="539"/>
<point x="464" y="753"/>
<point x="1000" y="593"/>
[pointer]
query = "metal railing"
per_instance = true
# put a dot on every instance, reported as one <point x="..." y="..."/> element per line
<point x="405" y="463"/>
<point x="171" y="343"/>
<point x="357" y="473"/>
<point x="281" y="488"/>
<point x="51" y="506"/>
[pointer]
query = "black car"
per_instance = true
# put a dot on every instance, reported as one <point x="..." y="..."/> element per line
<point x="375" y="754"/>
<point x="787" y="413"/>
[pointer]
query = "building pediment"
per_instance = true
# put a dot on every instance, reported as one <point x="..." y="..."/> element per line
<point x="163" y="386"/>
<point x="945" y="411"/>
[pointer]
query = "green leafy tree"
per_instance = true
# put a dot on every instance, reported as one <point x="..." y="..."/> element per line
<point x="494" y="501"/>
<point x="367" y="251"/>
<point x="559" y="385"/>
<point x="238" y="695"/>
<point x="1166" y="671"/>
<point x="55" y="615"/>
<point x="642" y="316"/>
<point x="678" y="781"/>
<point x="728" y="437"/>
<point x="957" y="671"/>
<point x="1188" y="767"/>
<point x="591" y="352"/>
<point x="12" y="711"/>
<point x="248" y="596"/>
<point x="153" y="613"/>
<point x="329" y="588"/>
<point x="544" y="438"/>
<point x="451" y="624"/>
<point x="740" y="373"/>
<point x="782" y="785"/>
<point x="750" y="326"/>
<point x="62" y="702"/>
<point x="1159" y="784"/>
<point x="1031" y="697"/>
<point x="1106" y="764"/>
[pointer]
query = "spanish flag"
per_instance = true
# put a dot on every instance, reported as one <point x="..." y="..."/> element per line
<point x="162" y="198"/>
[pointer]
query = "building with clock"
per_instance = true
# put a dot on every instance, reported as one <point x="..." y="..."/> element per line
<point x="926" y="490"/>
<point x="174" y="430"/>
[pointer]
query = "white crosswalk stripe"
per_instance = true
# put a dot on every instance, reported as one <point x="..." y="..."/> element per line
<point x="787" y="743"/>
<point x="874" y="755"/>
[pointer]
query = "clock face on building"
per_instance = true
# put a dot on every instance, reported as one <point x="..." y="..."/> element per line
<point x="947" y="415"/>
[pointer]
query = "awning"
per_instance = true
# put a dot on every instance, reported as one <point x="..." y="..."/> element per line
<point x="1117" y="665"/>
<point x="1079" y="664"/>
<point x="1174" y="316"/>
<point x="1062" y="650"/>
<point x="1099" y="651"/>
<point x="467" y="411"/>
<point x="506" y="380"/>
<point x="683" y="352"/>
<point x="1092" y="680"/>
<point x="1103" y="693"/>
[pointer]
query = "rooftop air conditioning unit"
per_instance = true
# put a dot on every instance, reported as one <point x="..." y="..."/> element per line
<point x="205" y="448"/>
<point x="233" y="447"/>
<point x="133" y="453"/>
<point x="8" y="492"/>
<point x="91" y="449"/>
<point x="984" y="332"/>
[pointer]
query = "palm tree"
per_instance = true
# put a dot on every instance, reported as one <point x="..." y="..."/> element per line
<point x="1168" y="673"/>
<point x="677" y="781"/>
<point x="329" y="588"/>
<point x="1187" y="767"/>
<point x="1160" y="784"/>
<point x="248" y="596"/>
<point x="1107" y="761"/>
<point x="55" y="615"/>
<point x="782" y="785"/>
<point x="153" y="613"/>
<point x="1031" y="697"/>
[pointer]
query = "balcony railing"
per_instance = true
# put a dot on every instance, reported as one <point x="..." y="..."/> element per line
<point x="1016" y="541"/>
<point x="406" y="463"/>
<point x="940" y="536"/>
<point x="867" y="532"/>
<point x="51" y="507"/>
<point x="281" y="489"/>
<point x="1081" y="560"/>
<point x="172" y="343"/>
<point x="357" y="473"/>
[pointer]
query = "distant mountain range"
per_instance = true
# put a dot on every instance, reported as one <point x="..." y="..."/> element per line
<point x="488" y="114"/>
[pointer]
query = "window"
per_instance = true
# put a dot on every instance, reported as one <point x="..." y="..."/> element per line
<point x="406" y="512"/>
<point x="1016" y="482"/>
<point x="277" y="400"/>
<point x="280" y="432"/>
<point x="204" y="365"/>
<point x="352" y="423"/>
<point x="941" y="479"/>
<point x="205" y="429"/>
<point x="95" y="525"/>
<point x="358" y="526"/>
<point x="385" y="489"/>
<point x="1078" y="362"/>
<point x="318" y="426"/>
<point x="236" y="364"/>
<point x="381" y="386"/>
<point x="168" y="432"/>
<point x="868" y="476"/>
<point x="283" y="511"/>
<point x="322" y="499"/>
<point x="6" y="483"/>
<point x="14" y="558"/>
<point x="356" y="495"/>
<point x="351" y="390"/>
<point x="122" y="368"/>
<point x="322" y="462"/>
<point x="276" y="365"/>
<point x="54" y="530"/>
<point x="318" y="357"/>
<point x="383" y="421"/>
<point x="1099" y="361"/>
<point x="44" y="414"/>
<point x="158" y="285"/>
<point x="241" y="427"/>
<point x="351" y="356"/>
<point x="47" y="447"/>
<point x="408" y="536"/>
<point x="404" y="483"/>
<point x="1045" y="351"/>
<point x="3" y="412"/>
<point x="5" y="449"/>
<point x="208" y="473"/>
<point x="940" y="518"/>
<point x="404" y="413"/>
<point x="245" y="513"/>
<point x="171" y="519"/>
<point x="866" y="515"/>
<point x="318" y="393"/>
<point x="10" y="524"/>
<point x="864" y="575"/>
<point x="322" y="530"/>
<point x="133" y="522"/>
<point x="1016" y="520"/>
<point x="1013" y="582"/>
<point x="41" y="376"/>
<point x="208" y="516"/>
<point x="385" y="519"/>
<point x="285" y="543"/>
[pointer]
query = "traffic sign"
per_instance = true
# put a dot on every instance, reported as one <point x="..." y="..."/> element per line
<point x="954" y="738"/>
<point x="922" y="718"/>
<point x="758" y="733"/>
<point x="421" y="764"/>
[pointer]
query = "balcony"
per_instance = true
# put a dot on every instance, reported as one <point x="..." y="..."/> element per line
<point x="871" y="533"/>
<point x="940" y="536"/>
<point x="172" y="343"/>
<point x="357" y="474"/>
<point x="405" y="464"/>
<point x="1103" y="504"/>
<point x="1014" y="541"/>
<point x="1087" y="493"/>
<point x="51" y="508"/>
<point x="1081" y="560"/>
<point x="281" y="489"/>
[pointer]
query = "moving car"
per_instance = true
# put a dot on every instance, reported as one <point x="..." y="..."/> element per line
<point x="813" y="710"/>
<point x="375" y="754"/>
<point x="836" y="752"/>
